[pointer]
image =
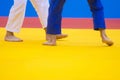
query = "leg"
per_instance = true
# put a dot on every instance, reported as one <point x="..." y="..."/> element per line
<point x="15" y="20"/>
<point x="98" y="19"/>
<point x="41" y="7"/>
<point x="54" y="21"/>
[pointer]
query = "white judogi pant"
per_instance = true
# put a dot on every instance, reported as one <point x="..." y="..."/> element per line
<point x="17" y="13"/>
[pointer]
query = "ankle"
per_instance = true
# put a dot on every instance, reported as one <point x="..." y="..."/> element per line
<point x="8" y="33"/>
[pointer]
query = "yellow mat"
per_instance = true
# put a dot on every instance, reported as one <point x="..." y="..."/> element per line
<point x="81" y="56"/>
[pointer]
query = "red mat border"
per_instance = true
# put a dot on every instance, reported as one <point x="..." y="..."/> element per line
<point x="77" y="23"/>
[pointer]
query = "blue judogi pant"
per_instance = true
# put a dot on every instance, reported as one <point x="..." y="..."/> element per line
<point x="55" y="15"/>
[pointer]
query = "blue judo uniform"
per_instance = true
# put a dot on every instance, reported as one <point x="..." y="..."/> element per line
<point x="55" y="15"/>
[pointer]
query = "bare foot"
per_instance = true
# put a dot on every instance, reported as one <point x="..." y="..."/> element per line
<point x="107" y="41"/>
<point x="59" y="36"/>
<point x="11" y="38"/>
<point x="51" y="40"/>
<point x="49" y="44"/>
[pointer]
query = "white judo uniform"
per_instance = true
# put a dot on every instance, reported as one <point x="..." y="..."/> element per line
<point x="17" y="13"/>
